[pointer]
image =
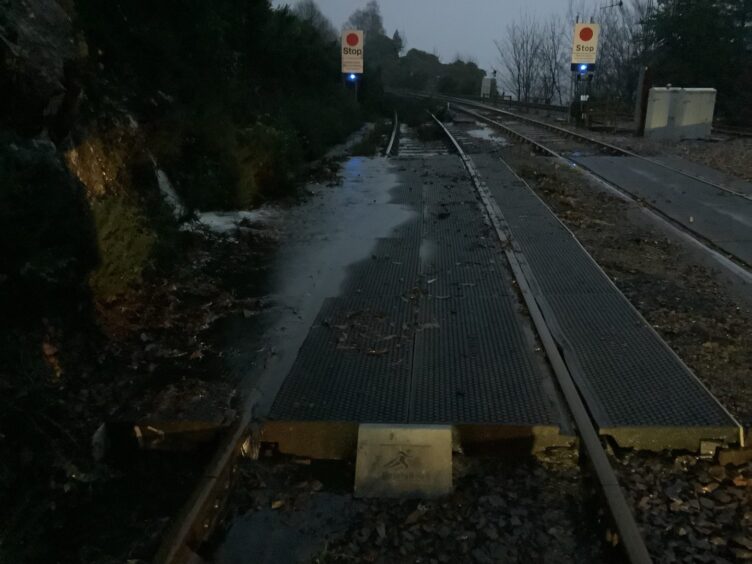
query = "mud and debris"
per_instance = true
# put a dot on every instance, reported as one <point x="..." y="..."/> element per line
<point x="153" y="358"/>
<point x="690" y="509"/>
<point x="530" y="510"/>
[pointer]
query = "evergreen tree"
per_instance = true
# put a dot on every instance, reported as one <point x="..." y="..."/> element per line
<point x="705" y="43"/>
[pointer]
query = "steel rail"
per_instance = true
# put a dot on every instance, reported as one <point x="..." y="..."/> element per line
<point x="629" y="533"/>
<point x="735" y="265"/>
<point x="393" y="138"/>
<point x="202" y="513"/>
<point x="729" y="130"/>
<point x="516" y="103"/>
<point x="608" y="147"/>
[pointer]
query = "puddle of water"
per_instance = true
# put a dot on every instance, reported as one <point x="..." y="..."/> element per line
<point x="286" y="537"/>
<point x="321" y="238"/>
<point x="487" y="134"/>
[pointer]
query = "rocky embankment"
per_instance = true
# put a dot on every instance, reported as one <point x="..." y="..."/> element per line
<point x="112" y="296"/>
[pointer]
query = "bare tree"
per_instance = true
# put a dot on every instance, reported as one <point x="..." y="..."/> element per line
<point x="622" y="50"/>
<point x="582" y="10"/>
<point x="553" y="60"/>
<point x="308" y="10"/>
<point x="519" y="55"/>
<point x="535" y="59"/>
<point x="623" y="45"/>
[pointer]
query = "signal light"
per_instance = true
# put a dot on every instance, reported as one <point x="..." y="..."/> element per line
<point x="352" y="77"/>
<point x="583" y="68"/>
<point x="584" y="71"/>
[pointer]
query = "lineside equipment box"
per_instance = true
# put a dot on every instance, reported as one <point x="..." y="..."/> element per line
<point x="674" y="114"/>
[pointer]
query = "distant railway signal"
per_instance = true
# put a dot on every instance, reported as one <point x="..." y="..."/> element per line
<point x="584" y="71"/>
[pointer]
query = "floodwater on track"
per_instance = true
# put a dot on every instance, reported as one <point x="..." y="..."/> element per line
<point x="335" y="227"/>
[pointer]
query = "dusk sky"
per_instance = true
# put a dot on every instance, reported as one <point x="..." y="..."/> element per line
<point x="449" y="26"/>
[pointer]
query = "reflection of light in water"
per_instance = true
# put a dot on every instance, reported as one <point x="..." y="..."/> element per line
<point x="354" y="166"/>
<point x="487" y="134"/>
<point x="326" y="235"/>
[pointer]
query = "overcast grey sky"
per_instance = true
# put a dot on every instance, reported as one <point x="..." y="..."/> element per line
<point x="467" y="27"/>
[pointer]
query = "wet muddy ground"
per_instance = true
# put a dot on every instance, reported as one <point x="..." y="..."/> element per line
<point x="91" y="495"/>
<point x="530" y="510"/>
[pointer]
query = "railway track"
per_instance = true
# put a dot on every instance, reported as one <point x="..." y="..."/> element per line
<point x="205" y="509"/>
<point x="633" y="544"/>
<point x="393" y="138"/>
<point x="727" y="130"/>
<point x="576" y="149"/>
<point x="529" y="130"/>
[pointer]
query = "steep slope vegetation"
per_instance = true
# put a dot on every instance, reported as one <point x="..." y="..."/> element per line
<point x="230" y="99"/>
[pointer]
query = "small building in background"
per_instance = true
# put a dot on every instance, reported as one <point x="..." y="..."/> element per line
<point x="674" y="114"/>
<point x="488" y="87"/>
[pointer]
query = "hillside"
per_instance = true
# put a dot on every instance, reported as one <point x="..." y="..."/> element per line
<point x="119" y="124"/>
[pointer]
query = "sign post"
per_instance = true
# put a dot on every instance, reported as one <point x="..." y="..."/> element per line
<point x="352" y="57"/>
<point x="584" y="55"/>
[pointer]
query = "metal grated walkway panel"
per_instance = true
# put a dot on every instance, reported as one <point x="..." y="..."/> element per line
<point x="473" y="365"/>
<point x="628" y="376"/>
<point x="354" y="365"/>
<point x="428" y="329"/>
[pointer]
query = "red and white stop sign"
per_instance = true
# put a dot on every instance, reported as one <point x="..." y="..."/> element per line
<point x="585" y="43"/>
<point x="352" y="51"/>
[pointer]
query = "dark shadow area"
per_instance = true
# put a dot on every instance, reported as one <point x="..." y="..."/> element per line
<point x="60" y="378"/>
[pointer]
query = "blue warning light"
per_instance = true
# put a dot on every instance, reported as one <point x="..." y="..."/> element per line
<point x="352" y="77"/>
<point x="583" y="67"/>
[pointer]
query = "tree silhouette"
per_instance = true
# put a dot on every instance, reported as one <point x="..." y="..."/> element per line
<point x="368" y="19"/>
